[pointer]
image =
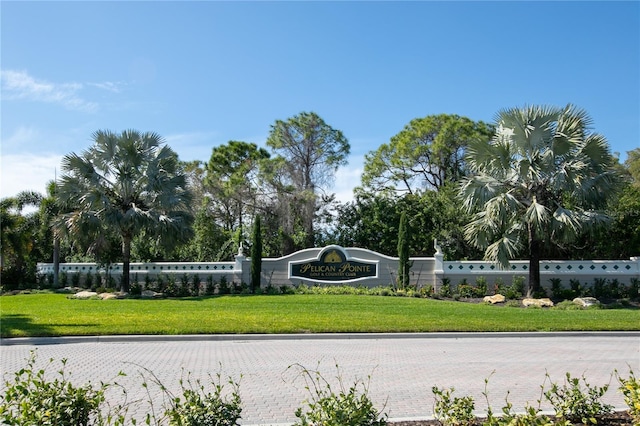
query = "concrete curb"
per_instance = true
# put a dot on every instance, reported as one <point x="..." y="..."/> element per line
<point x="308" y="336"/>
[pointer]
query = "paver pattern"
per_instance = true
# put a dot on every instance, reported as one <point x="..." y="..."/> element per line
<point x="400" y="369"/>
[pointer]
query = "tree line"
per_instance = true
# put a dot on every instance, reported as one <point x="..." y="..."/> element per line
<point x="537" y="183"/>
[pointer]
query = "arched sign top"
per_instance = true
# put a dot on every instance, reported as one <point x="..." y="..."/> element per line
<point x="333" y="265"/>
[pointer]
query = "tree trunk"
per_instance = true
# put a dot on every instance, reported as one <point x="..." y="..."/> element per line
<point x="403" y="253"/>
<point x="256" y="255"/>
<point x="534" y="263"/>
<point x="308" y="210"/>
<point x="126" y="260"/>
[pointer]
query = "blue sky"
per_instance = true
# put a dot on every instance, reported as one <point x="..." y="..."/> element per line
<point x="202" y="73"/>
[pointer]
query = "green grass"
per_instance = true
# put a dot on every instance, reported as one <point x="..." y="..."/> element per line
<point x="56" y="315"/>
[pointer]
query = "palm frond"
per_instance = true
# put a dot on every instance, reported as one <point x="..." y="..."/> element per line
<point x="537" y="215"/>
<point x="476" y="191"/>
<point x="504" y="249"/>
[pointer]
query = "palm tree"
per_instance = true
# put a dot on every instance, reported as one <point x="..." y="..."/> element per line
<point x="126" y="183"/>
<point x="18" y="234"/>
<point x="541" y="179"/>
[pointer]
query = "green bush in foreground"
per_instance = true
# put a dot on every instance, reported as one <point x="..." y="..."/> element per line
<point x="31" y="399"/>
<point x="572" y="402"/>
<point x="630" y="388"/>
<point x="453" y="411"/>
<point x="199" y="407"/>
<point x="349" y="407"/>
<point x="575" y="404"/>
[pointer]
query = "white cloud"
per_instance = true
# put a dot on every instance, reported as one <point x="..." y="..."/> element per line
<point x="347" y="178"/>
<point x="19" y="85"/>
<point x="110" y="86"/>
<point x="26" y="172"/>
<point x="21" y="138"/>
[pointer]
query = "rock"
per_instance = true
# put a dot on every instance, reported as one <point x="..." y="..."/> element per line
<point x="85" y="294"/>
<point x="150" y="294"/>
<point x="69" y="290"/>
<point x="496" y="298"/>
<point x="544" y="302"/>
<point x="107" y="296"/>
<point x="586" y="301"/>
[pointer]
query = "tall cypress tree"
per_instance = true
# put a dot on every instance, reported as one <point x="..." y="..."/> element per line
<point x="403" y="253"/>
<point x="256" y="255"/>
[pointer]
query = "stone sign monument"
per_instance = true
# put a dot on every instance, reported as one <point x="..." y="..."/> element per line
<point x="333" y="265"/>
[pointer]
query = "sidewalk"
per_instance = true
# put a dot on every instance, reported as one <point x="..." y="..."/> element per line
<point x="400" y="369"/>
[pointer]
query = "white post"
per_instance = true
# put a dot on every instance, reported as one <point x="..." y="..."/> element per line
<point x="438" y="270"/>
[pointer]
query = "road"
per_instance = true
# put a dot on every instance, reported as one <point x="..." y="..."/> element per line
<point x="399" y="369"/>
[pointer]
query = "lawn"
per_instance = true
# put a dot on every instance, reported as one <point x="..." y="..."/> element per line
<point x="57" y="315"/>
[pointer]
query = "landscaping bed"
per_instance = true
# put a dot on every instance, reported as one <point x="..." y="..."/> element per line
<point x="614" y="419"/>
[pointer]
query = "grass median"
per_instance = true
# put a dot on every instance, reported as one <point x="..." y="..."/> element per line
<point x="29" y="315"/>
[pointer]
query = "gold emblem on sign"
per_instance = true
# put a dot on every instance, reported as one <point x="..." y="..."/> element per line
<point x="332" y="257"/>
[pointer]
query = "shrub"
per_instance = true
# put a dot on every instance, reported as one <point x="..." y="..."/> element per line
<point x="445" y="288"/>
<point x="513" y="304"/>
<point x="567" y="305"/>
<point x="160" y="284"/>
<point x="634" y="288"/>
<point x="575" y="404"/>
<point x="136" y="289"/>
<point x="196" y="406"/>
<point x="530" y="417"/>
<point x="184" y="281"/>
<point x="147" y="281"/>
<point x="498" y="286"/>
<point x="223" y="286"/>
<point x="518" y="286"/>
<point x="88" y="280"/>
<point x="381" y="291"/>
<point x="210" y="289"/>
<point x="195" y="285"/>
<point x="557" y="292"/>
<point x="599" y="288"/>
<point x="201" y="408"/>
<point x="285" y="289"/>
<point x="481" y="287"/>
<point x="171" y="289"/>
<point x="577" y="289"/>
<point x="426" y="291"/>
<point x="349" y="407"/>
<point x="453" y="411"/>
<point x="31" y="399"/>
<point x="515" y="290"/>
<point x="465" y="290"/>
<point x="630" y="388"/>
<point x="615" y="291"/>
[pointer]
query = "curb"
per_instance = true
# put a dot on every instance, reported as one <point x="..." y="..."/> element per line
<point x="308" y="336"/>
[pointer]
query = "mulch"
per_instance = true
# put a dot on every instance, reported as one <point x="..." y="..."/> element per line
<point x="615" y="419"/>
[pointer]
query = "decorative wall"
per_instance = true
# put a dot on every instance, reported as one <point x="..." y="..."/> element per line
<point x="357" y="266"/>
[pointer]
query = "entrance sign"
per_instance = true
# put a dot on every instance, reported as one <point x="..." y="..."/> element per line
<point x="333" y="265"/>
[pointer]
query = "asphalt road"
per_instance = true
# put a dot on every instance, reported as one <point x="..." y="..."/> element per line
<point x="399" y="369"/>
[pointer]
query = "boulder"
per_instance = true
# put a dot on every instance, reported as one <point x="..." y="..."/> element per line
<point x="544" y="302"/>
<point x="85" y="294"/>
<point x="586" y="301"/>
<point x="150" y="294"/>
<point x="496" y="298"/>
<point x="107" y="296"/>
